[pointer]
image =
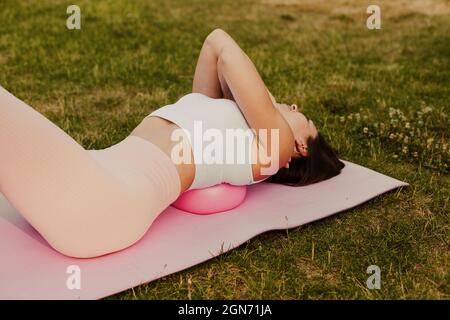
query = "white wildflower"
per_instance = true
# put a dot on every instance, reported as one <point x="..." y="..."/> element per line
<point x="427" y="109"/>
<point x="391" y="112"/>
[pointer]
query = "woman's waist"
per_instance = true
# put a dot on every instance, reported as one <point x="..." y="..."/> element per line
<point x="196" y="144"/>
<point x="231" y="158"/>
<point x="159" y="131"/>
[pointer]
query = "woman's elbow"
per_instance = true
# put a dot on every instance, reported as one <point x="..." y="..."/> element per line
<point x="217" y="38"/>
<point x="217" y="32"/>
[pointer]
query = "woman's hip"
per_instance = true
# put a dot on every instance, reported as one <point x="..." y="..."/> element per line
<point x="142" y="167"/>
<point x="108" y="216"/>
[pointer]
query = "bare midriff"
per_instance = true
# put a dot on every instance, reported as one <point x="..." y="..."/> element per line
<point x="158" y="131"/>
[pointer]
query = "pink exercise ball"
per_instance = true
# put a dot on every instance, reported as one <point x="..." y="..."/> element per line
<point x="218" y="198"/>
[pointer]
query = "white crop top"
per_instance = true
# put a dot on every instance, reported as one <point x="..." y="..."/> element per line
<point x="206" y="120"/>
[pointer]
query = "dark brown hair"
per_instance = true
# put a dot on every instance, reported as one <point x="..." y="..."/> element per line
<point x="321" y="163"/>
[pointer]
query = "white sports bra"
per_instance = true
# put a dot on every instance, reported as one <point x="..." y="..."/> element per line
<point x="206" y="120"/>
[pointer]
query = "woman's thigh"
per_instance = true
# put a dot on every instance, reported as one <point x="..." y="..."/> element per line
<point x="83" y="205"/>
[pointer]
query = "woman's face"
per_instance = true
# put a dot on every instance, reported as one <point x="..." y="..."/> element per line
<point x="301" y="127"/>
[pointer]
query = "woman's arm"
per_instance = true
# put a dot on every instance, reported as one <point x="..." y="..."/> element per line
<point x="208" y="76"/>
<point x="205" y="76"/>
<point x="250" y="93"/>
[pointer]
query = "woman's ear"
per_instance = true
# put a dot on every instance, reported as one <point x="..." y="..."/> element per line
<point x="301" y="148"/>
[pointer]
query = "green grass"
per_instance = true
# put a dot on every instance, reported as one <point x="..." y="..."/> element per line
<point x="131" y="57"/>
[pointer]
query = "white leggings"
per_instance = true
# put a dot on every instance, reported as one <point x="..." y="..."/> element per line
<point x="85" y="203"/>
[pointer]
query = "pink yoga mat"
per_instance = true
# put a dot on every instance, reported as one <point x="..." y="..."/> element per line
<point x="30" y="269"/>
